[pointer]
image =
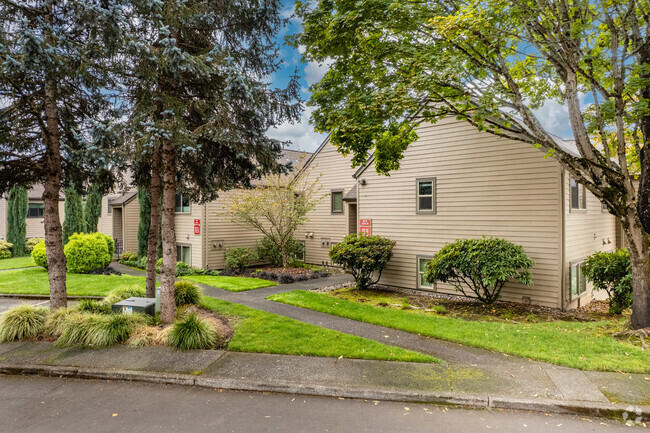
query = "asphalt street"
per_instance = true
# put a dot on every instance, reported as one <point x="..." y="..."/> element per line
<point x="39" y="404"/>
<point x="7" y="303"/>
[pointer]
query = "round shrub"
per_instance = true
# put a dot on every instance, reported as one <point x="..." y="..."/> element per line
<point x="480" y="265"/>
<point x="192" y="333"/>
<point x="240" y="258"/>
<point x="21" y="322"/>
<point x="110" y="246"/>
<point x="5" y="249"/>
<point x="186" y="293"/>
<point x="31" y="243"/>
<point x="612" y="272"/>
<point x="85" y="252"/>
<point x="363" y="256"/>
<point x="39" y="254"/>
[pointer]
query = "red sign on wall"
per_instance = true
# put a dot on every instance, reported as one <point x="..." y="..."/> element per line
<point x="197" y="222"/>
<point x="197" y="229"/>
<point x="365" y="223"/>
<point x="365" y="231"/>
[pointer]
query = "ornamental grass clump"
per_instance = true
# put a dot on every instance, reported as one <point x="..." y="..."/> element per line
<point x="55" y="323"/>
<point x="21" y="322"/>
<point x="93" y="306"/>
<point x="481" y="266"/>
<point x="192" y="333"/>
<point x="99" y="330"/>
<point x="186" y="293"/>
<point x="122" y="293"/>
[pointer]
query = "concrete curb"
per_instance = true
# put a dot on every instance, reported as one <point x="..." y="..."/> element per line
<point x="45" y="297"/>
<point x="608" y="410"/>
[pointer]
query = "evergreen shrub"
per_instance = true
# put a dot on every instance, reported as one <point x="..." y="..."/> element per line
<point x="5" y="250"/>
<point x="240" y="258"/>
<point x="612" y="272"/>
<point x="85" y="252"/>
<point x="39" y="254"/>
<point x="363" y="256"/>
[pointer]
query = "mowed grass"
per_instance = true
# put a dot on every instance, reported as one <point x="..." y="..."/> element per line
<point x="262" y="332"/>
<point x="17" y="262"/>
<point x="233" y="284"/>
<point x="34" y="281"/>
<point x="584" y="345"/>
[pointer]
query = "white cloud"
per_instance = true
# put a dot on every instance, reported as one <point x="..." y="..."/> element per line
<point x="314" y="72"/>
<point x="554" y="117"/>
<point x="301" y="134"/>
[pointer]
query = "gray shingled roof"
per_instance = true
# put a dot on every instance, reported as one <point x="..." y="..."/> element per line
<point x="123" y="199"/>
<point x="352" y="194"/>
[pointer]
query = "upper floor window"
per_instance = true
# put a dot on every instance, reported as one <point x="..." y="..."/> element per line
<point x="426" y="195"/>
<point x="182" y="203"/>
<point x="578" y="195"/>
<point x="36" y="210"/>
<point x="337" y="201"/>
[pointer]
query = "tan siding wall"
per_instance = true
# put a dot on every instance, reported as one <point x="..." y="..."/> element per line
<point x="3" y="218"/>
<point x="35" y="226"/>
<point x="585" y="232"/>
<point x="117" y="221"/>
<point x="219" y="228"/>
<point x="334" y="172"/>
<point x="131" y="217"/>
<point x="185" y="233"/>
<point x="105" y="224"/>
<point x="485" y="186"/>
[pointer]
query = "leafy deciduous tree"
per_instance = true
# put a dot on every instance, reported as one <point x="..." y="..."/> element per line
<point x="397" y="63"/>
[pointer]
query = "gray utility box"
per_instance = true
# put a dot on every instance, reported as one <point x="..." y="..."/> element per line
<point x="136" y="305"/>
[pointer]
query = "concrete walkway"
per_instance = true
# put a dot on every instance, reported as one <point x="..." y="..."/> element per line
<point x="517" y="376"/>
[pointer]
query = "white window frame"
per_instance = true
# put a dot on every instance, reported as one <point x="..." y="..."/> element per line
<point x="581" y="206"/>
<point x="180" y="259"/>
<point x="420" y="273"/>
<point x="581" y="279"/>
<point x="189" y="205"/>
<point x="433" y="196"/>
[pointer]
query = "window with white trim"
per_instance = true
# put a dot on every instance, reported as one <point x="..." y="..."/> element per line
<point x="422" y="267"/>
<point x="35" y="210"/>
<point x="184" y="254"/>
<point x="182" y="203"/>
<point x="578" y="280"/>
<point x="578" y="195"/>
<point x="425" y="191"/>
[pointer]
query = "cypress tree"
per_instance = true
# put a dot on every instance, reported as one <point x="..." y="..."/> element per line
<point x="93" y="208"/>
<point x="144" y="198"/>
<point x="18" y="206"/>
<point x="74" y="215"/>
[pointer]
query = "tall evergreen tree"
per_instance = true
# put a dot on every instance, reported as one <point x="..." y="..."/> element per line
<point x="93" y="208"/>
<point x="74" y="214"/>
<point x="145" y="220"/>
<point x="17" y="208"/>
<point x="201" y="97"/>
<point x="56" y="112"/>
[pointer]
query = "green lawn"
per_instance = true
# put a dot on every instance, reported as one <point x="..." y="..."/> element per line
<point x="233" y="284"/>
<point x="584" y="345"/>
<point x="262" y="332"/>
<point x="34" y="281"/>
<point x="16" y="262"/>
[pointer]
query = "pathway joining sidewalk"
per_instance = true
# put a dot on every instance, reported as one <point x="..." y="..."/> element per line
<point x="470" y="376"/>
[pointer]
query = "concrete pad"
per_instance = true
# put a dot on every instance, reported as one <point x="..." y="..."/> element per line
<point x="574" y="384"/>
<point x="33" y="354"/>
<point x="154" y="358"/>
<point x="8" y="347"/>
<point x="622" y="388"/>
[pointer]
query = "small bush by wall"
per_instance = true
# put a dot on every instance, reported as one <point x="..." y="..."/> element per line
<point x="269" y="252"/>
<point x="39" y="254"/>
<point x="363" y="256"/>
<point x="612" y="272"/>
<point x="5" y="250"/>
<point x="240" y="258"/>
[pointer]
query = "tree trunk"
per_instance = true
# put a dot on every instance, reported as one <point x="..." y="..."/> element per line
<point x="168" y="269"/>
<point x="641" y="290"/>
<point x="56" y="263"/>
<point x="154" y="224"/>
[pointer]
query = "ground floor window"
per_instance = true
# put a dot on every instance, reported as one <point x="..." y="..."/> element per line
<point x="422" y="266"/>
<point x="35" y="210"/>
<point x="578" y="281"/>
<point x="184" y="254"/>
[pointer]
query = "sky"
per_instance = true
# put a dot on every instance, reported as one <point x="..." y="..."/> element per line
<point x="553" y="116"/>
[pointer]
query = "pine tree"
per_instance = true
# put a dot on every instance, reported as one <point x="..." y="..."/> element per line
<point x="74" y="215"/>
<point x="201" y="97"/>
<point x="57" y="112"/>
<point x="17" y="208"/>
<point x="93" y="209"/>
<point x="145" y="220"/>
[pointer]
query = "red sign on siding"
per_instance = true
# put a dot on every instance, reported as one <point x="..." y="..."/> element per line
<point x="365" y="223"/>
<point x="365" y="231"/>
<point x="197" y="222"/>
<point x="197" y="229"/>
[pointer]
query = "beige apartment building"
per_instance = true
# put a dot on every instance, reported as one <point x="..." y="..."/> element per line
<point x="456" y="182"/>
